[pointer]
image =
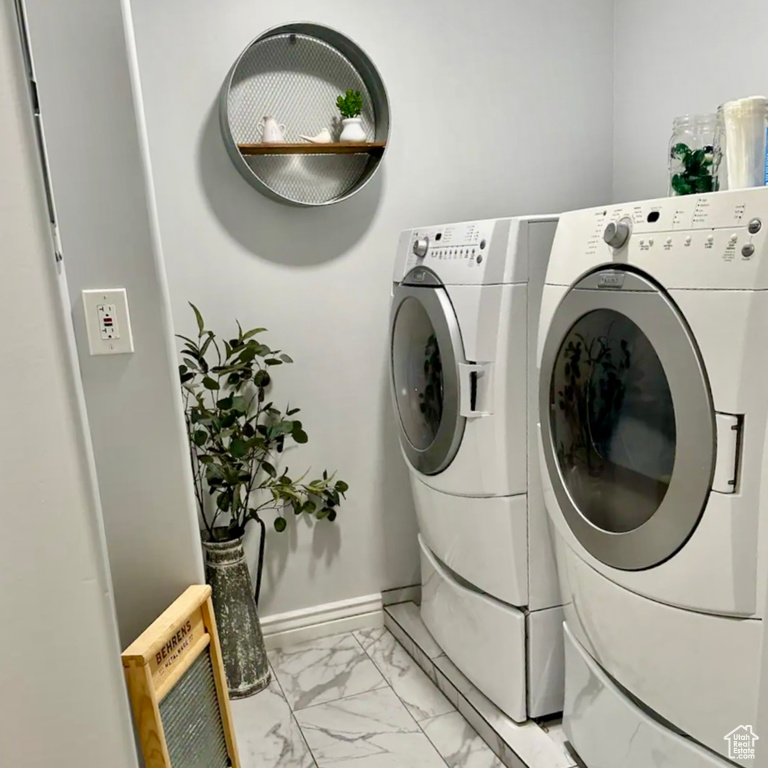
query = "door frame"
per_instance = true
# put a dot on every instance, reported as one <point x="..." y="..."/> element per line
<point x="650" y="308"/>
<point x="422" y="285"/>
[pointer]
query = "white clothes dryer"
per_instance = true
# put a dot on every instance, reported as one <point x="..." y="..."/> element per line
<point x="465" y="309"/>
<point x="653" y="439"/>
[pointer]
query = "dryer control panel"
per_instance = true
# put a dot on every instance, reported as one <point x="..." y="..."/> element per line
<point x="717" y="240"/>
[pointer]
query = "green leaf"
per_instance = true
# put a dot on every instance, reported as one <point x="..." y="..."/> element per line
<point x="273" y="361"/>
<point x="309" y="506"/>
<point x="286" y="358"/>
<point x="341" y="486"/>
<point x="332" y="515"/>
<point x="249" y="334"/>
<point x="292" y="411"/>
<point x="225" y="403"/>
<point x="238" y="448"/>
<point x="223" y="501"/>
<point x="210" y="383"/>
<point x="269" y="469"/>
<point x="262" y="379"/>
<point x="300" y="436"/>
<point x="239" y="404"/>
<point x="198" y="317"/>
<point x="248" y="354"/>
<point x="322" y="513"/>
<point x="199" y="437"/>
<point x="280" y="524"/>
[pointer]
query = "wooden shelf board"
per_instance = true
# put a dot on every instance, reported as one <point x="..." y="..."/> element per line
<point x="307" y="148"/>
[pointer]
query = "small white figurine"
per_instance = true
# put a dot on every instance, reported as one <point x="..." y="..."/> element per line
<point x="324" y="137"/>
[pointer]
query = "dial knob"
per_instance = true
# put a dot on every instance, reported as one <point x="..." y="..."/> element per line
<point x="421" y="246"/>
<point x="617" y="233"/>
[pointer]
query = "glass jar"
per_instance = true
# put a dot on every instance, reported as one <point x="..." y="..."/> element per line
<point x="741" y="139"/>
<point x="691" y="154"/>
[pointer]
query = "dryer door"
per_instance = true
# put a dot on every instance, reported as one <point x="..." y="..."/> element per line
<point x="426" y="350"/>
<point x="628" y="423"/>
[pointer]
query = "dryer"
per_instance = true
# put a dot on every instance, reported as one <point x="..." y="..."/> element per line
<point x="653" y="439"/>
<point x="465" y="308"/>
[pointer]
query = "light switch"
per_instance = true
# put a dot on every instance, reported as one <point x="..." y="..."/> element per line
<point x="107" y="321"/>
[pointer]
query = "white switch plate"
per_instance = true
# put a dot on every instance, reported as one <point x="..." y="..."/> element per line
<point x="107" y="321"/>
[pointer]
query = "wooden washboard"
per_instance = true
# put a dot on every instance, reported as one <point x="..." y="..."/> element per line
<point x="178" y="688"/>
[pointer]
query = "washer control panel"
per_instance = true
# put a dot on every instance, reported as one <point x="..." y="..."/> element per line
<point x="452" y="251"/>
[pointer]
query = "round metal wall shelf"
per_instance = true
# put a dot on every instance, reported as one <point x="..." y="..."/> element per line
<point x="295" y="72"/>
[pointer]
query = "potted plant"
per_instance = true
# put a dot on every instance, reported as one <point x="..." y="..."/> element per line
<point x="236" y="438"/>
<point x="350" y="106"/>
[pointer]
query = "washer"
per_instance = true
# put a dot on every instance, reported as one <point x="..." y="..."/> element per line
<point x="465" y="309"/>
<point x="653" y="439"/>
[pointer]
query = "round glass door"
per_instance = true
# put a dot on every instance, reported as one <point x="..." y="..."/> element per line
<point x="417" y="370"/>
<point x="425" y="350"/>
<point x="613" y="423"/>
<point x="627" y="420"/>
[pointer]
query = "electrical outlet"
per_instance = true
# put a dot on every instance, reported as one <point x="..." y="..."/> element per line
<point x="107" y="324"/>
<point x="107" y="321"/>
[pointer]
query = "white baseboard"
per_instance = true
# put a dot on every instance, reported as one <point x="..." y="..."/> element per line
<point x="323" y="620"/>
<point x="411" y="594"/>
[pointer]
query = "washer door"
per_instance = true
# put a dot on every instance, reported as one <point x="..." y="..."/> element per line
<point x="426" y="350"/>
<point x="628" y="423"/>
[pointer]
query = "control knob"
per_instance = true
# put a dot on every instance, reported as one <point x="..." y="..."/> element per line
<point x="617" y="233"/>
<point x="421" y="246"/>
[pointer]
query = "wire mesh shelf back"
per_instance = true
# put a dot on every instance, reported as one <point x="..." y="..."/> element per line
<point x="295" y="74"/>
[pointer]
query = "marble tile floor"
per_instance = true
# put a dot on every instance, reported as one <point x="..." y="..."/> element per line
<point x="355" y="700"/>
<point x="364" y="700"/>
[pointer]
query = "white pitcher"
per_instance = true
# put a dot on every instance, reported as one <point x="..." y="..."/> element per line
<point x="270" y="130"/>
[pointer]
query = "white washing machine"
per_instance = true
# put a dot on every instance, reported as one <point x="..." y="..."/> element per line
<point x="653" y="397"/>
<point x="465" y="309"/>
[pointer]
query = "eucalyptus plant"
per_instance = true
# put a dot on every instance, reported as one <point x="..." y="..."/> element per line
<point x="237" y="434"/>
<point x="695" y="173"/>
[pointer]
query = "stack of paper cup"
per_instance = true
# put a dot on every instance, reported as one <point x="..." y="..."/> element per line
<point x="741" y="135"/>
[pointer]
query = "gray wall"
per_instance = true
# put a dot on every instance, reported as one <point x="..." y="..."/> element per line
<point x="498" y="107"/>
<point x="106" y="214"/>
<point x="673" y="58"/>
<point x="63" y="701"/>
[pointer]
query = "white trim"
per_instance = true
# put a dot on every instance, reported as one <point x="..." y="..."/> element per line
<point x="411" y="594"/>
<point x="282" y="629"/>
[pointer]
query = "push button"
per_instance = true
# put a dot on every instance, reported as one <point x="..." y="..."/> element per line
<point x="748" y="250"/>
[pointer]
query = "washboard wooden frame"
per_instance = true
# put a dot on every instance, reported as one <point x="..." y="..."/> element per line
<point x="157" y="662"/>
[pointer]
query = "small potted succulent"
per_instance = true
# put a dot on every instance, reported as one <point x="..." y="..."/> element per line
<point x="350" y="106"/>
<point x="236" y="439"/>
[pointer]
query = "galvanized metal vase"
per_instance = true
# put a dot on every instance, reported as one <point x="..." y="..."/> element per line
<point x="242" y="644"/>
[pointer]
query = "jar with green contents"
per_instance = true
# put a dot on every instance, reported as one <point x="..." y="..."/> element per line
<point x="691" y="154"/>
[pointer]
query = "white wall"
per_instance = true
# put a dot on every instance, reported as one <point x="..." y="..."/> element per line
<point x="63" y="702"/>
<point x="498" y="107"/>
<point x="105" y="212"/>
<point x="673" y="58"/>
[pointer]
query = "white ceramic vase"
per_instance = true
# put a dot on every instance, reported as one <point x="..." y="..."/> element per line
<point x="352" y="130"/>
<point x="270" y="130"/>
